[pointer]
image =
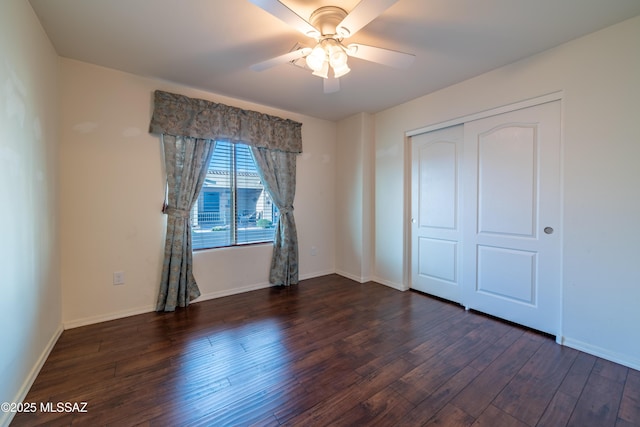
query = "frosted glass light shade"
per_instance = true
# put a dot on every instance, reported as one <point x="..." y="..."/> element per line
<point x="324" y="71"/>
<point x="338" y="57"/>
<point x="316" y="58"/>
<point x="341" y="71"/>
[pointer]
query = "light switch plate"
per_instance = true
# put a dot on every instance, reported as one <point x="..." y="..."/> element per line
<point x="118" y="277"/>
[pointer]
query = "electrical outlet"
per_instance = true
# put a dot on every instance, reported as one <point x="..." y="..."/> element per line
<point x="118" y="277"/>
<point x="314" y="251"/>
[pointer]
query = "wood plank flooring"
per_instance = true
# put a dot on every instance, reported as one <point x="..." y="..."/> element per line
<point x="328" y="351"/>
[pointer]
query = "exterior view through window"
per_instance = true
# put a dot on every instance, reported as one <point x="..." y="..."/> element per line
<point x="233" y="207"/>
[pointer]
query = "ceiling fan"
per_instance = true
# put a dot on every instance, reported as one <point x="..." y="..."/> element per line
<point x="329" y="26"/>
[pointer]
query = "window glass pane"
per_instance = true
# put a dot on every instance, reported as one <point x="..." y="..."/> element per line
<point x="232" y="185"/>
<point x="211" y="218"/>
<point x="254" y="209"/>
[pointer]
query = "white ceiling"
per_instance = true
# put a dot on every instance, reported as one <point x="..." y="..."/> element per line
<point x="210" y="44"/>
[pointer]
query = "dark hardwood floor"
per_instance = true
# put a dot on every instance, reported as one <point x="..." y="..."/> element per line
<point x="328" y="351"/>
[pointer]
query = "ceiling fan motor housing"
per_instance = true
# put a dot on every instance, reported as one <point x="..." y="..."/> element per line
<point x="326" y="19"/>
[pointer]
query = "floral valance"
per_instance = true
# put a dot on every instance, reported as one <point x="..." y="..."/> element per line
<point x="179" y="115"/>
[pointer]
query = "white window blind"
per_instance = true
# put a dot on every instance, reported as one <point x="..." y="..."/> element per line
<point x="233" y="207"/>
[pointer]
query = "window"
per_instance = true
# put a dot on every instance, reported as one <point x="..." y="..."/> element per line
<point x="233" y="207"/>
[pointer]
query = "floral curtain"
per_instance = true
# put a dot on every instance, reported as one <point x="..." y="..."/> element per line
<point x="189" y="128"/>
<point x="179" y="115"/>
<point x="186" y="161"/>
<point x="277" y="170"/>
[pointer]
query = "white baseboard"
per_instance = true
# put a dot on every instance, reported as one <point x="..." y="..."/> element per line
<point x="622" y="359"/>
<point x="316" y="274"/>
<point x="390" y="284"/>
<point x="6" y="417"/>
<point x="228" y="292"/>
<point x="254" y="287"/>
<point x="358" y="279"/>
<point x="70" y="324"/>
<point x="106" y="317"/>
<point x="150" y="308"/>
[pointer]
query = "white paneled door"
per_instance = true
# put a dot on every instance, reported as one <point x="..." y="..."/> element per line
<point x="511" y="226"/>
<point x="435" y="222"/>
<point x="503" y="255"/>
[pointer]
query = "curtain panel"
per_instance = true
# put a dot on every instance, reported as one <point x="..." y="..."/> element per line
<point x="189" y="128"/>
<point x="277" y="171"/>
<point x="186" y="162"/>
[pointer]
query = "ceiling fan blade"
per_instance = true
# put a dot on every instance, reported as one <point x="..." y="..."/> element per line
<point x="364" y="12"/>
<point x="288" y="16"/>
<point x="392" y="58"/>
<point x="282" y="59"/>
<point x="330" y="85"/>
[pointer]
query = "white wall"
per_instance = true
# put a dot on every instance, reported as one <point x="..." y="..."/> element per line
<point x="30" y="283"/>
<point x="599" y="75"/>
<point x="112" y="188"/>
<point x="354" y="197"/>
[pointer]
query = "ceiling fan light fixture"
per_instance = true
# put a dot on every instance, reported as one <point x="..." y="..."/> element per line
<point x="337" y="57"/>
<point x="340" y="71"/>
<point x="323" y="72"/>
<point x="329" y="26"/>
<point x="316" y="58"/>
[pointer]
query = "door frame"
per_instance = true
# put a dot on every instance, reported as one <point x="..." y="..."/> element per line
<point x="530" y="102"/>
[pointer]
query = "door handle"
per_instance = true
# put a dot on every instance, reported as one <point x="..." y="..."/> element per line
<point x="548" y="230"/>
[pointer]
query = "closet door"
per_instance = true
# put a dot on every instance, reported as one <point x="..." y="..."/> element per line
<point x="435" y="210"/>
<point x="511" y="237"/>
